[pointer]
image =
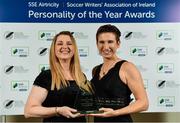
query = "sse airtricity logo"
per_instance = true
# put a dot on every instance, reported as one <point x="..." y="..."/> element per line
<point x="165" y="35"/>
<point x="166" y="68"/>
<point x="46" y="35"/>
<point x="19" y="85"/>
<point x="83" y="51"/>
<point x="138" y="51"/>
<point x="20" y="51"/>
<point x="166" y="101"/>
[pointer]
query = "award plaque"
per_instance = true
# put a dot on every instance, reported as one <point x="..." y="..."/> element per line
<point x="86" y="103"/>
<point x="114" y="103"/>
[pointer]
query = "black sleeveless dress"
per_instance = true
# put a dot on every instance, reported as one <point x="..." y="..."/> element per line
<point x="63" y="97"/>
<point x="111" y="88"/>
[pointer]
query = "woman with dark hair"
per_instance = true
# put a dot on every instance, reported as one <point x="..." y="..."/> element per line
<point x="115" y="79"/>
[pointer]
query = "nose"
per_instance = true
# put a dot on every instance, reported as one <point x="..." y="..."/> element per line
<point x="64" y="46"/>
<point x="106" y="46"/>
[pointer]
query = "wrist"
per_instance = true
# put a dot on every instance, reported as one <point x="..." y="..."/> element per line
<point x="56" y="111"/>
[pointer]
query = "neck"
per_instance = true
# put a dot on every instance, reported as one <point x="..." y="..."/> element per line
<point x="110" y="60"/>
<point x="107" y="65"/>
<point x="65" y="64"/>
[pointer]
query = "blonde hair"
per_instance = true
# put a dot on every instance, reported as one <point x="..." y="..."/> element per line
<point x="58" y="78"/>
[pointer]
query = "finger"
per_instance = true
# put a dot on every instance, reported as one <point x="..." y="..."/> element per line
<point x="72" y="109"/>
<point x="74" y="115"/>
<point x="102" y="109"/>
<point x="82" y="115"/>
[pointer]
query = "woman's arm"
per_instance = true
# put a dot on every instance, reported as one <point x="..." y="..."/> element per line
<point x="132" y="77"/>
<point x="34" y="108"/>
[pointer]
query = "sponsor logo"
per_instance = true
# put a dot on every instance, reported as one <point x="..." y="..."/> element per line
<point x="20" y="51"/>
<point x="133" y="35"/>
<point x="46" y="35"/>
<point x="80" y="35"/>
<point x="166" y="51"/>
<point x="83" y="51"/>
<point x="9" y="103"/>
<point x="22" y="85"/>
<point x="8" y="69"/>
<point x="141" y="68"/>
<point x="9" y="35"/>
<point x="165" y="68"/>
<point x="164" y="35"/>
<point x="43" y="67"/>
<point x="167" y="84"/>
<point x="42" y="51"/>
<point x="145" y="83"/>
<point x="166" y="101"/>
<point x="138" y="51"/>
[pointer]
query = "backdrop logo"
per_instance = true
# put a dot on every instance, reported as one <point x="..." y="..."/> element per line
<point x="8" y="35"/>
<point x="83" y="51"/>
<point x="133" y="35"/>
<point x="84" y="69"/>
<point x="167" y="84"/>
<point x="22" y="85"/>
<point x="80" y="35"/>
<point x="46" y="35"/>
<point x="20" y="51"/>
<point x="166" y="101"/>
<point x="138" y="51"/>
<point x="165" y="68"/>
<point x="42" y="51"/>
<point x="164" y="35"/>
<point x="43" y="67"/>
<point x="10" y="103"/>
<point x="8" y="69"/>
<point x="141" y="68"/>
<point x="166" y="51"/>
<point x="145" y="83"/>
<point x="161" y="83"/>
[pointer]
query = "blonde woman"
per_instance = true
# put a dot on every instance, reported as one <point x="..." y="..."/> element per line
<point x="54" y="91"/>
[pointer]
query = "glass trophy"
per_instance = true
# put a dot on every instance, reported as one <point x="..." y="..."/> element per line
<point x="86" y="103"/>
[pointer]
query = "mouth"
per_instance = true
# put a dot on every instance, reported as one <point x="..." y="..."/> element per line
<point x="106" y="52"/>
<point x="64" y="51"/>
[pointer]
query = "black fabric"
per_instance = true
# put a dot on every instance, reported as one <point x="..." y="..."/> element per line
<point x="63" y="97"/>
<point x="111" y="86"/>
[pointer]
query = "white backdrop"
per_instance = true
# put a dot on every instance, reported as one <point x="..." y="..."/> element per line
<point x="152" y="47"/>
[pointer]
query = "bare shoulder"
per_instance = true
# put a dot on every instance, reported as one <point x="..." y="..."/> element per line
<point x="130" y="69"/>
<point x="129" y="66"/>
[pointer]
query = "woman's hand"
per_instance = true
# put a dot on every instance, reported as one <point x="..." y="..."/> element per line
<point x="107" y="112"/>
<point x="68" y="112"/>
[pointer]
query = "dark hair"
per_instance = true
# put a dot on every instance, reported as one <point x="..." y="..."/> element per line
<point x="108" y="28"/>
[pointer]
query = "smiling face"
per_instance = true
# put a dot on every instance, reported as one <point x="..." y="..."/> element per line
<point x="107" y="44"/>
<point x="64" y="47"/>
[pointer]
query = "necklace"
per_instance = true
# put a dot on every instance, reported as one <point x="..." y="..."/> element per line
<point x="106" y="68"/>
<point x="103" y="73"/>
